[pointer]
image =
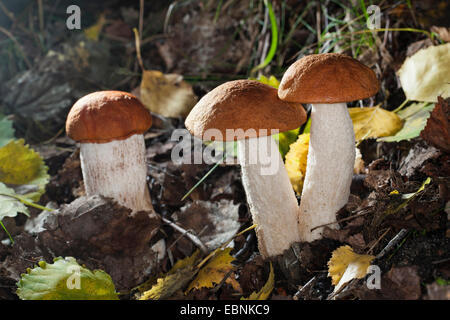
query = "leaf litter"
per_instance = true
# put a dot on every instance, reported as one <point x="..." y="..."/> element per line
<point x="401" y="187"/>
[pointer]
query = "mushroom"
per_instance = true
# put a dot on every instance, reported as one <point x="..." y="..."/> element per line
<point x="249" y="111"/>
<point x="327" y="81"/>
<point x="109" y="126"/>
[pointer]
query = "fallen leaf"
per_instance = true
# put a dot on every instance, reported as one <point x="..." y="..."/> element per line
<point x="65" y="279"/>
<point x="296" y="160"/>
<point x="436" y="291"/>
<point x="437" y="129"/>
<point x="213" y="222"/>
<point x="166" y="94"/>
<point x="93" y="32"/>
<point x="170" y="284"/>
<point x="346" y="265"/>
<point x="21" y="165"/>
<point x="176" y="279"/>
<point x="214" y="271"/>
<point x="9" y="206"/>
<point x="6" y="130"/>
<point x="426" y="75"/>
<point x="266" y="290"/>
<point x="415" y="118"/>
<point x="442" y="32"/>
<point x="271" y="81"/>
<point x="374" y="122"/>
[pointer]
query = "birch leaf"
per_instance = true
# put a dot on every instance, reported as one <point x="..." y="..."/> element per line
<point x="296" y="160"/>
<point x="93" y="32"/>
<point x="426" y="74"/>
<point x="169" y="284"/>
<point x="266" y="290"/>
<point x="65" y="279"/>
<point x="9" y="206"/>
<point x="346" y="265"/>
<point x="214" y="271"/>
<point x="166" y="94"/>
<point x="374" y="122"/>
<point x="21" y="165"/>
<point x="6" y="130"/>
<point x="176" y="279"/>
<point x="415" y="117"/>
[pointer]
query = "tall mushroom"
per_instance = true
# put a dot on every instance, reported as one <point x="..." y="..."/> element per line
<point x="247" y="111"/>
<point x="327" y="81"/>
<point x="109" y="126"/>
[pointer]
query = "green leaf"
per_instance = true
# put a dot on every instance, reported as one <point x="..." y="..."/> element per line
<point x="21" y="165"/>
<point x="6" y="130"/>
<point x="9" y="206"/>
<point x="65" y="279"/>
<point x="415" y="119"/>
<point x="285" y="139"/>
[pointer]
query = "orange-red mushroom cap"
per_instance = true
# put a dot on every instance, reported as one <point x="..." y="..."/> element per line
<point x="104" y="116"/>
<point x="244" y="104"/>
<point x="327" y="78"/>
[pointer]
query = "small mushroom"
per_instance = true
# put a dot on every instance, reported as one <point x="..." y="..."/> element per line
<point x="327" y="81"/>
<point x="250" y="110"/>
<point x="109" y="126"/>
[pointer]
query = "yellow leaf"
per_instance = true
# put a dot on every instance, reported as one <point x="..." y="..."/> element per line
<point x="346" y="265"/>
<point x="271" y="81"/>
<point x="166" y="94"/>
<point x="169" y="284"/>
<point x="266" y="290"/>
<point x="296" y="160"/>
<point x="214" y="271"/>
<point x="20" y="165"/>
<point x="176" y="279"/>
<point x="426" y="74"/>
<point x="93" y="32"/>
<point x="374" y="122"/>
<point x="186" y="262"/>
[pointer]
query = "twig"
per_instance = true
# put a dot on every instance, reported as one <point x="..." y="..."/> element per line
<point x="303" y="289"/>
<point x="138" y="48"/>
<point x="11" y="36"/>
<point x="141" y="18"/>
<point x="378" y="240"/>
<point x="41" y="15"/>
<point x="341" y="220"/>
<point x="395" y="241"/>
<point x="188" y="234"/>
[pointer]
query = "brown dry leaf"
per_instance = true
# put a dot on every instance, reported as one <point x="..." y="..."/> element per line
<point x="213" y="272"/>
<point x="374" y="122"/>
<point x="166" y="94"/>
<point x="443" y="32"/>
<point x="346" y="265"/>
<point x="437" y="129"/>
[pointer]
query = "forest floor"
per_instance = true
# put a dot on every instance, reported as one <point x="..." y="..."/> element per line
<point x="398" y="211"/>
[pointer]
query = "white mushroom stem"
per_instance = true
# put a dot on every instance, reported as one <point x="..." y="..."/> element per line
<point x="117" y="169"/>
<point x="329" y="169"/>
<point x="270" y="196"/>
